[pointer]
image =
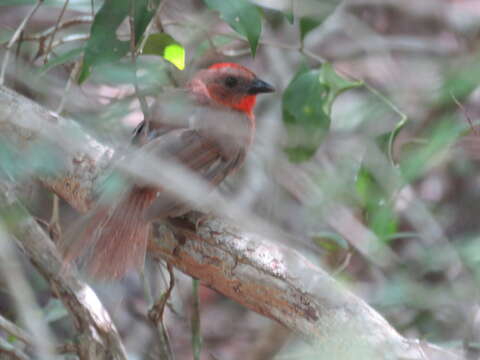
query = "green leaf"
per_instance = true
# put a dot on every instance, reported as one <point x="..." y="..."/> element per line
<point x="304" y="115"/>
<point x="11" y="339"/>
<point x="300" y="153"/>
<point x="5" y="35"/>
<point x="307" y="104"/>
<point x="144" y="12"/>
<point x="149" y="74"/>
<point x="61" y="59"/>
<point x="164" y="45"/>
<point x="379" y="214"/>
<point x="244" y="17"/>
<point x="330" y="241"/>
<point x="103" y="45"/>
<point x="335" y="83"/>
<point x="404" y="235"/>
<point x="289" y="17"/>
<point x="54" y="311"/>
<point x="425" y="156"/>
<point x="307" y="24"/>
<point x="214" y="42"/>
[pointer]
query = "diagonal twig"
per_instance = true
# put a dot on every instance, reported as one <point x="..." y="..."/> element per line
<point x="155" y="314"/>
<point x="15" y="37"/>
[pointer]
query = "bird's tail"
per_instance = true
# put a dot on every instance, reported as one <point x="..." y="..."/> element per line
<point x="114" y="238"/>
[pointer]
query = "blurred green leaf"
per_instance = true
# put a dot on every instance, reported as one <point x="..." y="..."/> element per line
<point x="289" y="16"/>
<point x="5" y="35"/>
<point x="404" y="235"/>
<point x="304" y="115"/>
<point x="307" y="24"/>
<point x="244" y="17"/>
<point x="144" y="12"/>
<point x="474" y="345"/>
<point x="460" y="81"/>
<point x="300" y="153"/>
<point x="214" y="42"/>
<point x="307" y="104"/>
<point x="103" y="45"/>
<point x="164" y="45"/>
<point x="379" y="214"/>
<point x="11" y="339"/>
<point x="330" y="241"/>
<point x="54" y="310"/>
<point x="419" y="159"/>
<point x="61" y="59"/>
<point x="148" y="73"/>
<point x="335" y="83"/>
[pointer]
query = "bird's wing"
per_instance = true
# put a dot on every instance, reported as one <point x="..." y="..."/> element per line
<point x="196" y="152"/>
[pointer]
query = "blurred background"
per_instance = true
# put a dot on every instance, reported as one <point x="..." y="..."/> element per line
<point x="380" y="186"/>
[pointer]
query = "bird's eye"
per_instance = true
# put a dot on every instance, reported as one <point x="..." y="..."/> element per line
<point x="231" y="81"/>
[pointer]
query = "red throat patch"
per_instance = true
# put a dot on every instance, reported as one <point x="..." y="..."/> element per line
<point x="246" y="104"/>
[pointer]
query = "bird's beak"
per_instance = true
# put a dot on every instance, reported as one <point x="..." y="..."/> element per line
<point x="258" y="86"/>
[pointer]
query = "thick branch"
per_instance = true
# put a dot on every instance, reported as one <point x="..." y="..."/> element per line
<point x="28" y="126"/>
<point x="267" y="278"/>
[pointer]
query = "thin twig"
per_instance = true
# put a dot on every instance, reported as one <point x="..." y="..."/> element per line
<point x="155" y="314"/>
<point x="67" y="348"/>
<point x="343" y="265"/>
<point x="146" y="287"/>
<point x="78" y="20"/>
<point x="19" y="334"/>
<point x="54" y="228"/>
<point x="71" y="77"/>
<point x="15" y="37"/>
<point x="465" y="113"/>
<point x="14" y="330"/>
<point x="195" y="322"/>
<point x="159" y="10"/>
<point x="70" y="38"/>
<point x="400" y="123"/>
<point x="55" y="29"/>
<point x="133" y="51"/>
<point x="17" y="57"/>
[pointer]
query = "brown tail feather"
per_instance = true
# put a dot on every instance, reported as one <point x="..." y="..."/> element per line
<point x="115" y="238"/>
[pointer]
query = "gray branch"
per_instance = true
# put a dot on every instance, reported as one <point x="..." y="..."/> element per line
<point x="99" y="338"/>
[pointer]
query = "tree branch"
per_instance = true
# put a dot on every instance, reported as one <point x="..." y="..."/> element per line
<point x="26" y="125"/>
<point x="98" y="334"/>
<point x="258" y="273"/>
<point x="14" y="330"/>
<point x="11" y="351"/>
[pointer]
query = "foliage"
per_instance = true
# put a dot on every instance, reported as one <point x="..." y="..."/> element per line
<point x="242" y="16"/>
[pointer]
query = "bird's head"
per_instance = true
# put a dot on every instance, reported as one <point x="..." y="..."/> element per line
<point x="230" y="85"/>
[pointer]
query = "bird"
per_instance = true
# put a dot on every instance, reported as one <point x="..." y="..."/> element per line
<point x="207" y="126"/>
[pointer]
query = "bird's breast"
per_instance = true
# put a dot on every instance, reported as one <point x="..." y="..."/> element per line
<point x="230" y="130"/>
